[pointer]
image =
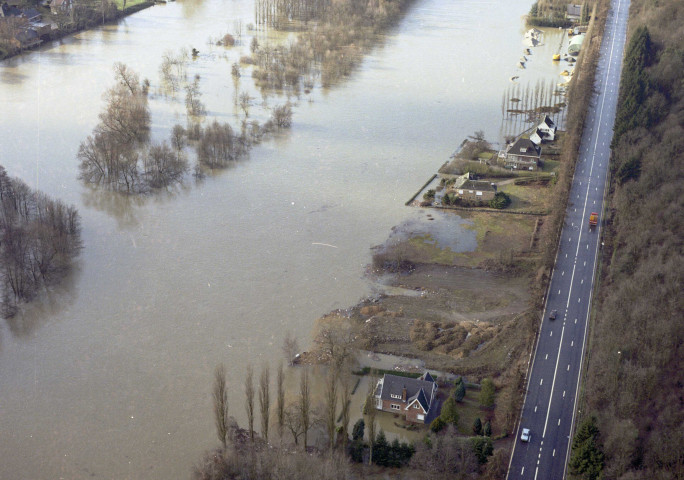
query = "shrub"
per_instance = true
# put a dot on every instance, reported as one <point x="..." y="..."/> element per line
<point x="500" y="201"/>
<point x="477" y="426"/>
<point x="228" y="40"/>
<point x="487" y="430"/>
<point x="482" y="447"/>
<point x="438" y="424"/>
<point x="429" y="195"/>
<point x="487" y="393"/>
<point x="459" y="391"/>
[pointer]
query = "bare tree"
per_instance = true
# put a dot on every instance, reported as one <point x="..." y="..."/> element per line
<point x="220" y="395"/>
<point x="245" y="99"/>
<point x="346" y="393"/>
<point x="336" y="340"/>
<point x="193" y="101"/>
<point x="178" y="137"/>
<point x="282" y="116"/>
<point x="264" y="399"/>
<point x="446" y="454"/>
<point x="162" y="166"/>
<point x="371" y="413"/>
<point x="280" y="405"/>
<point x="249" y="400"/>
<point x="127" y="78"/>
<point x="217" y="146"/>
<point x="290" y="347"/>
<point x="330" y="395"/>
<point x="292" y="420"/>
<point x="305" y="404"/>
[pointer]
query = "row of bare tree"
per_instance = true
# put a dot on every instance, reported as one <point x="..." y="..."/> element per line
<point x="39" y="238"/>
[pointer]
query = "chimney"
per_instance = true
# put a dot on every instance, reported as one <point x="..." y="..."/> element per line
<point x="403" y="393"/>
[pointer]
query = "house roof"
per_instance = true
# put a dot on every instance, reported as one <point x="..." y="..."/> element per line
<point x="426" y="376"/>
<point x="525" y="147"/>
<point x="477" y="185"/>
<point x="394" y="385"/>
<point x="537" y="136"/>
<point x="548" y="122"/>
<point x="421" y="398"/>
<point x="574" y="10"/>
<point x="27" y="36"/>
<point x="9" y="10"/>
<point x="30" y="13"/>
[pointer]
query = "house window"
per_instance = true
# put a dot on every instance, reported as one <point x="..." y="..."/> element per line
<point x="421" y="417"/>
<point x="415" y="405"/>
<point x="478" y="194"/>
<point x="460" y="192"/>
<point x="394" y="406"/>
<point x="395" y="396"/>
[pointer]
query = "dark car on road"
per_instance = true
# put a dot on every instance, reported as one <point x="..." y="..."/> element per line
<point x="553" y="314"/>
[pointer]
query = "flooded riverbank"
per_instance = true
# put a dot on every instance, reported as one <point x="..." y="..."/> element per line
<point x="111" y="377"/>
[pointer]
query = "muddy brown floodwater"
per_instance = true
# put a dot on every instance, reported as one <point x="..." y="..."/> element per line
<point x="109" y="375"/>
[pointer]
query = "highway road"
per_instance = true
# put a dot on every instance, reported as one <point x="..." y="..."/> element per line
<point x="554" y="378"/>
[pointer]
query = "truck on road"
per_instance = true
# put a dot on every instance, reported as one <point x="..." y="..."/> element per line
<point x="593" y="220"/>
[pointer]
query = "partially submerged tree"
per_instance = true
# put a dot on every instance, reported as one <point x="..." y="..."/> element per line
<point x="217" y="146"/>
<point x="39" y="237"/>
<point x="220" y="397"/>
<point x="264" y="400"/>
<point x="371" y="414"/>
<point x="280" y="399"/>
<point x="249" y="400"/>
<point x="345" y="399"/>
<point x="305" y="404"/>
<point x="330" y="397"/>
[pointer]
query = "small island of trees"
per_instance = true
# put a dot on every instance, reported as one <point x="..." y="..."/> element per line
<point x="39" y="237"/>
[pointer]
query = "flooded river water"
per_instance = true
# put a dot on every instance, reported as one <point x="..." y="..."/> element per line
<point x="109" y="375"/>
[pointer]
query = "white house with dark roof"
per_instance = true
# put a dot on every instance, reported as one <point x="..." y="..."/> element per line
<point x="547" y="128"/>
<point x="412" y="398"/>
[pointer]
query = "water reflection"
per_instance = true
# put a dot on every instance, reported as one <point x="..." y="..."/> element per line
<point x="46" y="306"/>
<point x="191" y="8"/>
<point x="11" y="76"/>
<point x="120" y="206"/>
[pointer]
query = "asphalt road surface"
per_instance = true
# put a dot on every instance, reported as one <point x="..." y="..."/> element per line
<point x="549" y="407"/>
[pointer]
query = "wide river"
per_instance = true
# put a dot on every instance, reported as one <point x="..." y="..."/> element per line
<point x="109" y="375"/>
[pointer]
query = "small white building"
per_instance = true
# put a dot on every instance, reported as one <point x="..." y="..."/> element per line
<point x="547" y="129"/>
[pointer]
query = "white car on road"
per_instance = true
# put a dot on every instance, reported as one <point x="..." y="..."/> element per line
<point x="525" y="435"/>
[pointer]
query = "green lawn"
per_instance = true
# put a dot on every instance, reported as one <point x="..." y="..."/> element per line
<point x="550" y="165"/>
